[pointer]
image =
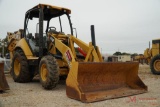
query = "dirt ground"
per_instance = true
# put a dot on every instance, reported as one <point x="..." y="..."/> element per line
<point x="33" y="95"/>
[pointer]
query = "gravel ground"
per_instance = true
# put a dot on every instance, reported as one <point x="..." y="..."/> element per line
<point x="33" y="95"/>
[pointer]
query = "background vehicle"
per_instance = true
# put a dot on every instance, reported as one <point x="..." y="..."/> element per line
<point x="153" y="56"/>
<point x="52" y="52"/>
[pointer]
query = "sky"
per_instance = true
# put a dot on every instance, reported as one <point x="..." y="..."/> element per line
<point x="120" y="25"/>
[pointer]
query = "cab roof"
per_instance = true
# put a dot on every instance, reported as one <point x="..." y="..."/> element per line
<point x="48" y="10"/>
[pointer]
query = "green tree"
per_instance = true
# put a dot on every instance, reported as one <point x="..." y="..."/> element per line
<point x="124" y="53"/>
<point x="117" y="53"/>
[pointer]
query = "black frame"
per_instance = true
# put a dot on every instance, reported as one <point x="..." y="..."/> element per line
<point x="42" y="11"/>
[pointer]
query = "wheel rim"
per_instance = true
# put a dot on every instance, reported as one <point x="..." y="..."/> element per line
<point x="44" y="72"/>
<point x="157" y="65"/>
<point x="17" y="67"/>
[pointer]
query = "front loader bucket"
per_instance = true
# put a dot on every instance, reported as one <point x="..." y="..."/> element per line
<point x="3" y="82"/>
<point x="91" y="82"/>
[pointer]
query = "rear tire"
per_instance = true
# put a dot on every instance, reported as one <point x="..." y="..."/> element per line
<point x="49" y="72"/>
<point x="155" y="65"/>
<point x="20" y="68"/>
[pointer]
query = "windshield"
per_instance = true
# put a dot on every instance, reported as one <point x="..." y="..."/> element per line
<point x="60" y="24"/>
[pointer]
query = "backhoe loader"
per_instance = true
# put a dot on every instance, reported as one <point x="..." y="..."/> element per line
<point x="53" y="51"/>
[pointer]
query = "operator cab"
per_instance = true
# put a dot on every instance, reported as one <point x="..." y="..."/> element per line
<point x="41" y="20"/>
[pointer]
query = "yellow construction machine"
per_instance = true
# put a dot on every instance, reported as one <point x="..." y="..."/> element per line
<point x="153" y="56"/>
<point x="51" y="51"/>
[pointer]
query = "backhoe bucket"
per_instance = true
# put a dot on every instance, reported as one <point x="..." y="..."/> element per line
<point x="93" y="81"/>
<point x="3" y="82"/>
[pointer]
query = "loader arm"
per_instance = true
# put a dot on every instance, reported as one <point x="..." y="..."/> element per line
<point x="65" y="50"/>
<point x="88" y="48"/>
<point x="93" y="55"/>
<point x="92" y="79"/>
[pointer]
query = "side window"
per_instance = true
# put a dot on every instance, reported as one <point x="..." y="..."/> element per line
<point x="32" y="27"/>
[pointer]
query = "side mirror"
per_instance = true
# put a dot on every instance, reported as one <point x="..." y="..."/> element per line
<point x="75" y="31"/>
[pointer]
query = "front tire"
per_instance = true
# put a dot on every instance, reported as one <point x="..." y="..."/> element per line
<point x="49" y="72"/>
<point x="20" y="68"/>
<point x="155" y="65"/>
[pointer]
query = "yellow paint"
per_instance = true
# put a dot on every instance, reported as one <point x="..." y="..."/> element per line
<point x="54" y="7"/>
<point x="155" y="49"/>
<point x="43" y="72"/>
<point x="24" y="46"/>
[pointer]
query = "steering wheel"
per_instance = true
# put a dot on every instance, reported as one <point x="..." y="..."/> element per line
<point x="53" y="30"/>
<point x="52" y="27"/>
